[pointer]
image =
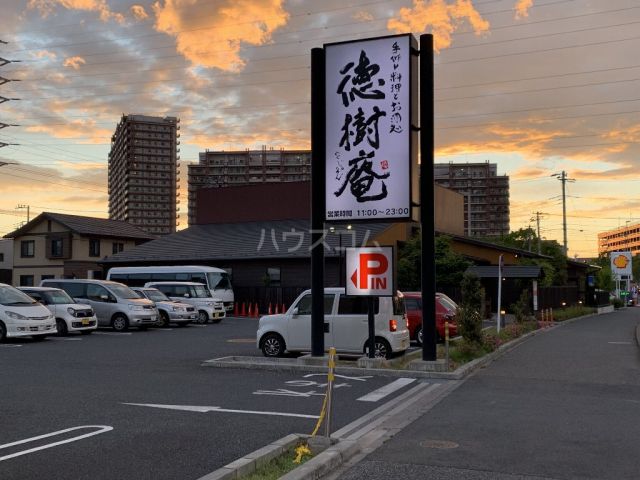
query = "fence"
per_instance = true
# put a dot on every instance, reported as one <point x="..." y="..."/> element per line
<point x="558" y="296"/>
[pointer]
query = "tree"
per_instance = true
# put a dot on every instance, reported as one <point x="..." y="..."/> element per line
<point x="468" y="316"/>
<point x="450" y="266"/>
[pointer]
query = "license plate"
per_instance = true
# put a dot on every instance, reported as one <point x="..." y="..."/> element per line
<point x="85" y="321"/>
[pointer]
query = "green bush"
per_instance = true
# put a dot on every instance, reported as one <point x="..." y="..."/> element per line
<point x="469" y="317"/>
<point x="521" y="308"/>
<point x="617" y="303"/>
<point x="566" y="313"/>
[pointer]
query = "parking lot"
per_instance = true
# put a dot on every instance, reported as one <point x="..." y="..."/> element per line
<point x="139" y="405"/>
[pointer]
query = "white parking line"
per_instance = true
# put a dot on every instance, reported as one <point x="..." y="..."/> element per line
<point x="11" y="345"/>
<point x="101" y="429"/>
<point x="386" y="390"/>
<point x="204" y="409"/>
<point x="113" y="334"/>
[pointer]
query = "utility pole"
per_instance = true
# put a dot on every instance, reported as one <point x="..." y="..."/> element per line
<point x="19" y="207"/>
<point x="538" y="230"/>
<point x="564" y="179"/>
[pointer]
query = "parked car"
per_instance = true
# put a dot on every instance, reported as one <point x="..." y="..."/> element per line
<point x="196" y="294"/>
<point x="70" y="315"/>
<point x="22" y="316"/>
<point x="445" y="312"/>
<point x="170" y="311"/>
<point x="115" y="304"/>
<point x="346" y="326"/>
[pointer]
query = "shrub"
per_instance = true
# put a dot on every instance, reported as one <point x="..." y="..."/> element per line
<point x="521" y="308"/>
<point x="571" y="312"/>
<point x="468" y="316"/>
<point x="617" y="303"/>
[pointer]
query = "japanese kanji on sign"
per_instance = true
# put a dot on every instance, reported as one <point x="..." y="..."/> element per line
<point x="370" y="143"/>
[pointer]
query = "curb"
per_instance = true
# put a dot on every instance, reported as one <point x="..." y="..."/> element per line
<point x="250" y="462"/>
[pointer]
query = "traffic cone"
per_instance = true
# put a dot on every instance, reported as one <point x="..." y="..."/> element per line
<point x="243" y="313"/>
<point x="284" y="308"/>
<point x="255" y="311"/>
<point x="277" y="309"/>
<point x="250" y="311"/>
<point x="235" y="309"/>
<point x="269" y="311"/>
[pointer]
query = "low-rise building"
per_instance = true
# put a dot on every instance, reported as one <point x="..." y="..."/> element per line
<point x="55" y="245"/>
<point x="6" y="260"/>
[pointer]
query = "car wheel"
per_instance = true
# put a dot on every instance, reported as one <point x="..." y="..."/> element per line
<point x="164" y="319"/>
<point x="382" y="349"/>
<point x="202" y="317"/>
<point x="419" y="336"/>
<point x="120" y="323"/>
<point x="3" y="332"/>
<point x="273" y="345"/>
<point x="61" y="325"/>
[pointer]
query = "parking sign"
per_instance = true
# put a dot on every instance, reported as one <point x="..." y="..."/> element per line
<point x="370" y="271"/>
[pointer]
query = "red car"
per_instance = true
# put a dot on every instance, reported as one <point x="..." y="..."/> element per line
<point x="445" y="312"/>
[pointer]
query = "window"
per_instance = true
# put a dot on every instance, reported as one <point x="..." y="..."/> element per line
<point x="94" y="247"/>
<point x="27" y="248"/>
<point x="26" y="280"/>
<point x="97" y="293"/>
<point x="412" y="304"/>
<point x="273" y="276"/>
<point x="356" y="305"/>
<point x="117" y="247"/>
<point x="304" y="305"/>
<point x="56" y="247"/>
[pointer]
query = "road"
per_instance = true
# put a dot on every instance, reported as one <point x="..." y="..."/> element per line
<point x="139" y="406"/>
<point x="563" y="405"/>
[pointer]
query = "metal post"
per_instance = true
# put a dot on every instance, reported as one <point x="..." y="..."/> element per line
<point x="372" y="329"/>
<point x="317" y="199"/>
<point x="428" y="271"/>
<point x="330" y="378"/>
<point x="446" y="344"/>
<point x="500" y="261"/>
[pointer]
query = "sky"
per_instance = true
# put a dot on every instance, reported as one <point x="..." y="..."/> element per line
<point x="536" y="86"/>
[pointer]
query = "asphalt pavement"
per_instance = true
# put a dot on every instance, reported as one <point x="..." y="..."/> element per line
<point x="562" y="405"/>
<point x="139" y="405"/>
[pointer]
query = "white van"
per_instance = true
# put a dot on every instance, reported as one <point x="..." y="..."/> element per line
<point x="22" y="316"/>
<point x="346" y="325"/>
<point x="215" y="279"/>
<point x="71" y="316"/>
<point x="115" y="304"/>
<point x="196" y="294"/>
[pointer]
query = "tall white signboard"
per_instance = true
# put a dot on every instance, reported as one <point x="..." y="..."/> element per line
<point x="369" y="139"/>
<point x="621" y="264"/>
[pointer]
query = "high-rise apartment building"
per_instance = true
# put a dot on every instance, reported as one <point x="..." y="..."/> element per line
<point x="246" y="167"/>
<point x="143" y="172"/>
<point x="622" y="239"/>
<point x="486" y="195"/>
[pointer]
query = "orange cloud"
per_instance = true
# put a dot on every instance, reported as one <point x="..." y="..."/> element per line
<point x="73" y="129"/>
<point x="44" y="54"/>
<point x="46" y="7"/>
<point x="211" y="34"/>
<point x="139" y="12"/>
<point x="442" y="18"/>
<point x="74" y="62"/>
<point x="522" y="8"/>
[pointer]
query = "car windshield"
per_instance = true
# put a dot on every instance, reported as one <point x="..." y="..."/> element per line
<point x="156" y="296"/>
<point x="199" y="291"/>
<point x="10" y="296"/>
<point x="219" y="281"/>
<point x="122" y="291"/>
<point x="58" y="297"/>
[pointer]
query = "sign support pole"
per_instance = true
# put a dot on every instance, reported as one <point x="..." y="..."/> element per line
<point x="499" y="322"/>
<point x="372" y="329"/>
<point x="317" y="199"/>
<point x="427" y="216"/>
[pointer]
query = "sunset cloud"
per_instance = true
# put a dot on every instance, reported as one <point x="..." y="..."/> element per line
<point x="211" y="34"/>
<point x="46" y="8"/>
<point x="441" y="18"/>
<point x="74" y="62"/>
<point x="139" y="12"/>
<point x="522" y="8"/>
<point x="363" y="16"/>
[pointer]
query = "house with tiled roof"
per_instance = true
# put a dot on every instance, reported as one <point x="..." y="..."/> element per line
<point x="56" y="245"/>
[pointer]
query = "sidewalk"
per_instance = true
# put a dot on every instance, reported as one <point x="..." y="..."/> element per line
<point x="564" y="405"/>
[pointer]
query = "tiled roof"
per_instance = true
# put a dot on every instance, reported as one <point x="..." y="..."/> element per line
<point x="508" y="271"/>
<point x="87" y="226"/>
<point x="243" y="241"/>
